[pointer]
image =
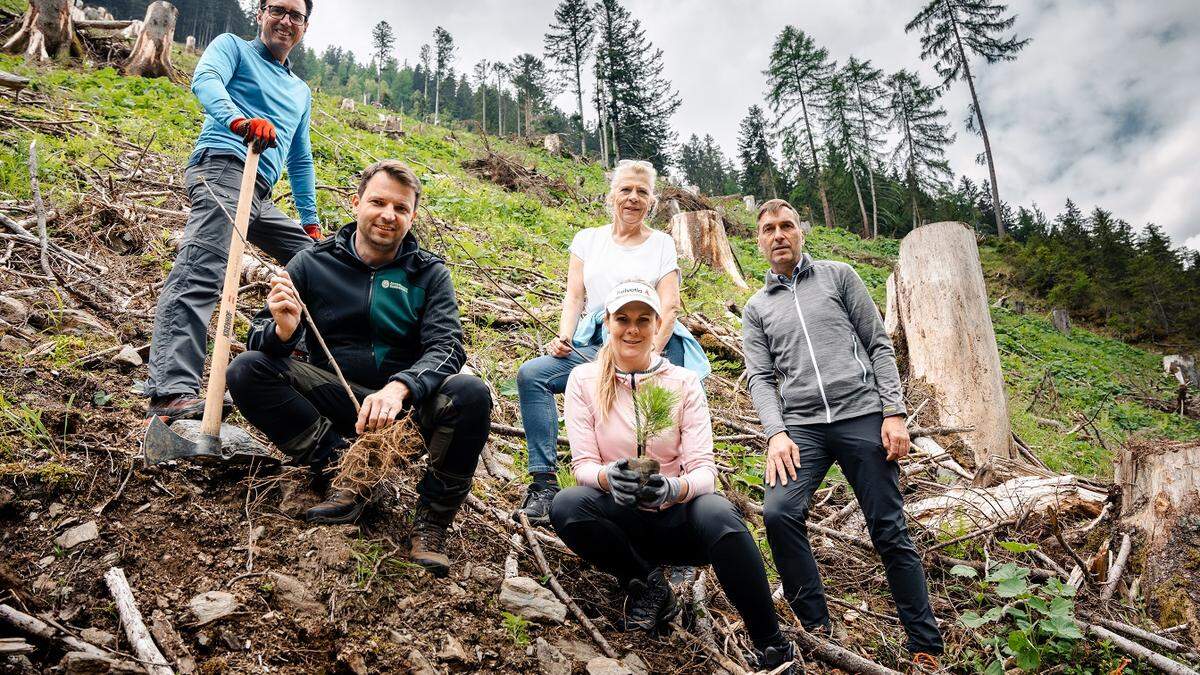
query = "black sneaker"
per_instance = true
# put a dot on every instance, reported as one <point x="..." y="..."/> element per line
<point x="652" y="602"/>
<point x="174" y="407"/>
<point x="778" y="654"/>
<point x="536" y="506"/>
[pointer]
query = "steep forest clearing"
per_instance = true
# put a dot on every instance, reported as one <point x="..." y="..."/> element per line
<point x="112" y="150"/>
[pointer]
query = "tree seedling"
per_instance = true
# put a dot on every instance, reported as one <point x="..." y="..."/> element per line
<point x="653" y="413"/>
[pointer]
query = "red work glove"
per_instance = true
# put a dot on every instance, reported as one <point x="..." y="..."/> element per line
<point x="255" y="130"/>
<point x="314" y="231"/>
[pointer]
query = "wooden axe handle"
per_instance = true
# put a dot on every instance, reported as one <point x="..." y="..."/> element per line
<point x="213" y="399"/>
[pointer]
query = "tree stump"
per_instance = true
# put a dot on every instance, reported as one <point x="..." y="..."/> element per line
<point x="151" y="55"/>
<point x="940" y="307"/>
<point x="46" y="30"/>
<point x="749" y="203"/>
<point x="1183" y="368"/>
<point x="1160" y="495"/>
<point x="133" y="30"/>
<point x="189" y="45"/>
<point x="700" y="237"/>
<point x="347" y="104"/>
<point x="1062" y="320"/>
<point x="553" y="144"/>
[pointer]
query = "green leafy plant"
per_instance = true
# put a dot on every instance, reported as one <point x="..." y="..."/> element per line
<point x="517" y="628"/>
<point x="654" y="407"/>
<point x="1036" y="624"/>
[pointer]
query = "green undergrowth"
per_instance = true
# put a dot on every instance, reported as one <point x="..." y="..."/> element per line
<point x="494" y="239"/>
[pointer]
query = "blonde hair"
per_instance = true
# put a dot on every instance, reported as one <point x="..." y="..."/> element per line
<point x="606" y="384"/>
<point x="639" y="167"/>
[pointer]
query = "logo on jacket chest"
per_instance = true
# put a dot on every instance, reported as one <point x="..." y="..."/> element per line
<point x="388" y="284"/>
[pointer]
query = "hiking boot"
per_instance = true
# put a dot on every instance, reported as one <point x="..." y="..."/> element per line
<point x="341" y="507"/>
<point x="427" y="544"/>
<point x="536" y="506"/>
<point x="776" y="655"/>
<point x="174" y="407"/>
<point x="924" y="662"/>
<point x="652" y="602"/>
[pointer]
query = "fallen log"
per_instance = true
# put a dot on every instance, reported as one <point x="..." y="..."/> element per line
<point x="103" y="24"/>
<point x="1114" y="573"/>
<point x="839" y="657"/>
<point x="135" y="628"/>
<point x="14" y="82"/>
<point x="1146" y="636"/>
<point x="34" y="626"/>
<point x="1009" y="500"/>
<point x="1166" y="665"/>
<point x="940" y="305"/>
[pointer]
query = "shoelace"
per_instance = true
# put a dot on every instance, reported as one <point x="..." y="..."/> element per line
<point x="432" y="536"/>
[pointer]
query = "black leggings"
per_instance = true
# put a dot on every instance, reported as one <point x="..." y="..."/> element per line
<point x="629" y="543"/>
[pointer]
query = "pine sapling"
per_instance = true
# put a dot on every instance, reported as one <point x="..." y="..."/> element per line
<point x="653" y="414"/>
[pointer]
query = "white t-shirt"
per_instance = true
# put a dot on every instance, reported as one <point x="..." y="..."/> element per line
<point x="606" y="264"/>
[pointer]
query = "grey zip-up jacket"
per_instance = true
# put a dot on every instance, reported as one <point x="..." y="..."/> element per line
<point x="816" y="350"/>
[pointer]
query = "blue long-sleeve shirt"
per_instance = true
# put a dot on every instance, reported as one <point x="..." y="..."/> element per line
<point x="236" y="78"/>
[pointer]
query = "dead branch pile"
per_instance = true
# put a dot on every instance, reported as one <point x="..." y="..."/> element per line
<point x="514" y="176"/>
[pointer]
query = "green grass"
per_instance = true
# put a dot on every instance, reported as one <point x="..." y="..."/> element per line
<point x="523" y="242"/>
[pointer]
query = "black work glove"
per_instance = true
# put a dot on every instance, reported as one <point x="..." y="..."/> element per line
<point x="659" y="491"/>
<point x="622" y="482"/>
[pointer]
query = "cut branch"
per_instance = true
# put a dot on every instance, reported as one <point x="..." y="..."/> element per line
<point x="135" y="628"/>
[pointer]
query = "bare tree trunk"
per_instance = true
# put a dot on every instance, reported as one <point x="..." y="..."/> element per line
<point x="47" y="30"/>
<point x="874" y="204"/>
<point x="499" y="106"/>
<point x="1160" y="495"/>
<point x="987" y="144"/>
<point x="700" y="236"/>
<point x="151" y="55"/>
<point x="579" y="100"/>
<point x="861" y="207"/>
<point x="942" y="308"/>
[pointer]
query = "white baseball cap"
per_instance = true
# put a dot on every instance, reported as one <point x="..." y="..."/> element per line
<point x="632" y="291"/>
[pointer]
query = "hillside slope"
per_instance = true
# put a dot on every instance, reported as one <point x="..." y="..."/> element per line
<point x="112" y="151"/>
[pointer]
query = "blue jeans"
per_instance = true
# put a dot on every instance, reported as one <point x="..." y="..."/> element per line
<point x="538" y="381"/>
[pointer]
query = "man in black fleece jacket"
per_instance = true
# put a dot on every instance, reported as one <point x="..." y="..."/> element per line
<point x="387" y="311"/>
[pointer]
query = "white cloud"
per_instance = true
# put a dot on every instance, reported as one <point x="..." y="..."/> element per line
<point x="1103" y="106"/>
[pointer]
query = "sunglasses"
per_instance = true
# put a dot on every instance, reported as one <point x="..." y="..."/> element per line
<point x="277" y="12"/>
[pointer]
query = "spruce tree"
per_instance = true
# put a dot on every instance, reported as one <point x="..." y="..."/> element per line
<point x="482" y="70"/>
<point x="951" y="28"/>
<point x="924" y="135"/>
<point x="569" y="43"/>
<point x="443" y="54"/>
<point x="838" y="123"/>
<point x="865" y="83"/>
<point x="705" y="166"/>
<point x="534" y="85"/>
<point x="639" y="101"/>
<point x="754" y="151"/>
<point x="426" y="56"/>
<point x="796" y="79"/>
<point x="383" y="39"/>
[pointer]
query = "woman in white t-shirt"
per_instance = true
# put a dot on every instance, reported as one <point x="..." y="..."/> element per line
<point x="601" y="257"/>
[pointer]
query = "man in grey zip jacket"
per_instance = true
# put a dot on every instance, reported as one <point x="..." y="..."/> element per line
<point x="823" y="377"/>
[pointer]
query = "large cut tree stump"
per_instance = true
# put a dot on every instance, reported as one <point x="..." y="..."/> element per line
<point x="151" y="55"/>
<point x="1062" y="320"/>
<point x="940" y="309"/>
<point x="1160" y="494"/>
<point x="47" y="30"/>
<point x="700" y="237"/>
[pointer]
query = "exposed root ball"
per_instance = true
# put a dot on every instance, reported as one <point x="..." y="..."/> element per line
<point x="379" y="457"/>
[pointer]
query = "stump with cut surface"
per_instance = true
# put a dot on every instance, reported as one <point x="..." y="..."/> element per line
<point x="1160" y="495"/>
<point x="938" y="307"/>
<point x="700" y="237"/>
<point x="151" y="55"/>
<point x="47" y="30"/>
<point x="553" y="144"/>
<point x="189" y="45"/>
<point x="1062" y="320"/>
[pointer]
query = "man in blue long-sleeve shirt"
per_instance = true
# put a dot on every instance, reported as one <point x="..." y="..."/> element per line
<point x="249" y="95"/>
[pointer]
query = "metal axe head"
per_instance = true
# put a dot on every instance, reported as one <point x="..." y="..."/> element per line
<point x="184" y="440"/>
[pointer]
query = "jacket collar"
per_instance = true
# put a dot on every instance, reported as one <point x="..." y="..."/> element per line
<point x="774" y="282"/>
<point x="263" y="51"/>
<point x="658" y="365"/>
<point x="410" y="256"/>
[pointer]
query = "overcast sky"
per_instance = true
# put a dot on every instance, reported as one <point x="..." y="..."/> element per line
<point x="1102" y="106"/>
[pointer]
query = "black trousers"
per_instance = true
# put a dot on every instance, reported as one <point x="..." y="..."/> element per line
<point x="629" y="543"/>
<point x="856" y="446"/>
<point x="297" y="404"/>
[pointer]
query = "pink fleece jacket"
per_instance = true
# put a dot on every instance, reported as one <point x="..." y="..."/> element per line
<point x="684" y="450"/>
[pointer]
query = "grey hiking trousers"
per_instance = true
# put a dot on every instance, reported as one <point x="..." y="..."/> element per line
<point x="193" y="286"/>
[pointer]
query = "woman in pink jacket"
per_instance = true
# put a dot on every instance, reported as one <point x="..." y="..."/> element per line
<point x="676" y="518"/>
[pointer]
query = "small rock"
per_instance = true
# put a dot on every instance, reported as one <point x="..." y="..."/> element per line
<point x="230" y="640"/>
<point x="127" y="359"/>
<point x="46" y="562"/>
<point x="486" y="575"/>
<point x="7" y="497"/>
<point x="455" y="590"/>
<point x="635" y="663"/>
<point x="576" y="650"/>
<point x="550" y="659"/>
<point x="355" y="662"/>
<point x="420" y="664"/>
<point x="602" y="665"/>
<point x="13" y="310"/>
<point x="78" y="535"/>
<point x="528" y="598"/>
<point x="295" y="597"/>
<point x="55" y="510"/>
<point x="81" y="663"/>
<point x="212" y="605"/>
<point x="43" y="584"/>
<point x="454" y="651"/>
<point x="12" y="344"/>
<point x="100" y="638"/>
